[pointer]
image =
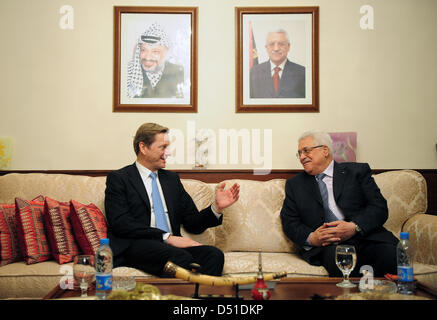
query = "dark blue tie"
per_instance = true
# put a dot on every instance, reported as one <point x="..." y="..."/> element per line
<point x="160" y="217"/>
<point x="329" y="215"/>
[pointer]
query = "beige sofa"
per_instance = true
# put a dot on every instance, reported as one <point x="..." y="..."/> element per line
<point x="250" y="225"/>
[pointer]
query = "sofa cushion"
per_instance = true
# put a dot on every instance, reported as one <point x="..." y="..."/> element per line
<point x="242" y="263"/>
<point x="10" y="250"/>
<point x="18" y="280"/>
<point x="61" y="187"/>
<point x="202" y="195"/>
<point x="253" y="222"/>
<point x="426" y="274"/>
<point x="59" y="230"/>
<point x="31" y="232"/>
<point x="406" y="195"/>
<point x="9" y="244"/>
<point x="423" y="237"/>
<point x="89" y="226"/>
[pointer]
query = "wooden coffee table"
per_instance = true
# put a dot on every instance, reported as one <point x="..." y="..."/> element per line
<point x="285" y="289"/>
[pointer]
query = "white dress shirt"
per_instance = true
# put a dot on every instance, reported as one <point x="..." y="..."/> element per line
<point x="281" y="66"/>
<point x="328" y="180"/>
<point x="147" y="180"/>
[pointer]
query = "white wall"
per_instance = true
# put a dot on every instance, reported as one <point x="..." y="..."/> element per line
<point x="56" y="85"/>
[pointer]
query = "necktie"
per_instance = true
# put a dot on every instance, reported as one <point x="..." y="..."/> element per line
<point x="329" y="215"/>
<point x="160" y="217"/>
<point x="276" y="79"/>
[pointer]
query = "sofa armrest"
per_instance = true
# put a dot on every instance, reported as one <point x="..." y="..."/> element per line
<point x="423" y="237"/>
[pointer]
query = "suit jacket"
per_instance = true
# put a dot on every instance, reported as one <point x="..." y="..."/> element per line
<point x="291" y="84"/>
<point x="355" y="193"/>
<point x="167" y="86"/>
<point x="128" y="209"/>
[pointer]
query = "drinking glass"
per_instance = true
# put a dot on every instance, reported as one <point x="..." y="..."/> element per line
<point x="345" y="258"/>
<point x="83" y="272"/>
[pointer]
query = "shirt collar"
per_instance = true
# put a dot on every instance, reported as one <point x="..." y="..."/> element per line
<point x="143" y="170"/>
<point x="273" y="66"/>
<point x="329" y="171"/>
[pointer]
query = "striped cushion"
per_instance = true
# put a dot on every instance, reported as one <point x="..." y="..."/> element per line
<point x="89" y="226"/>
<point x="59" y="230"/>
<point x="31" y="232"/>
<point x="9" y="245"/>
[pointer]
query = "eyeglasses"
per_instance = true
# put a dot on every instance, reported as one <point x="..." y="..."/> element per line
<point x="306" y="150"/>
<point x="281" y="44"/>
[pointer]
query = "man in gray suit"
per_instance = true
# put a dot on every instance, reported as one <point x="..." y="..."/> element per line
<point x="278" y="77"/>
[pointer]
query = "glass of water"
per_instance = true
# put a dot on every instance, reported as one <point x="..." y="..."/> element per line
<point x="345" y="258"/>
<point x="84" y="273"/>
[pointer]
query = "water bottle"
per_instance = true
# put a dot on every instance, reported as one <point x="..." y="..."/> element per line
<point x="405" y="257"/>
<point x="103" y="269"/>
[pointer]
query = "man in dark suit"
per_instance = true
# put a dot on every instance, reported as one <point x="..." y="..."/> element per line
<point x="353" y="211"/>
<point x="278" y="77"/>
<point x="146" y="205"/>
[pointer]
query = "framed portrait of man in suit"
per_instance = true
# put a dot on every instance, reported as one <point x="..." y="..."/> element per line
<point x="277" y="64"/>
<point x="155" y="59"/>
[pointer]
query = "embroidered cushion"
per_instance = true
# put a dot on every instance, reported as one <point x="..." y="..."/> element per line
<point x="89" y="226"/>
<point x="9" y="244"/>
<point x="29" y="218"/>
<point x="57" y="219"/>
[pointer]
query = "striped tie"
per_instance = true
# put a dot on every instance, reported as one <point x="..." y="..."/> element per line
<point x="160" y="217"/>
<point x="329" y="215"/>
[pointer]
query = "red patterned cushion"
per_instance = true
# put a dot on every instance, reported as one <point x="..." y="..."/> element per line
<point x="9" y="244"/>
<point x="31" y="232"/>
<point x="89" y="226"/>
<point x="59" y="230"/>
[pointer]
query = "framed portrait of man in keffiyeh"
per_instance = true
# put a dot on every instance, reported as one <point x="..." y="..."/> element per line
<point x="155" y="59"/>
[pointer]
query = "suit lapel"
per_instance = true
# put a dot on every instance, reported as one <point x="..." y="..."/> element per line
<point x="339" y="179"/>
<point x="285" y="79"/>
<point x="313" y="191"/>
<point x="313" y="188"/>
<point x="137" y="182"/>
<point x="268" y="80"/>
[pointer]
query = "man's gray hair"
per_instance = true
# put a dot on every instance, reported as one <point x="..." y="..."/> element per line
<point x="319" y="137"/>
<point x="279" y="30"/>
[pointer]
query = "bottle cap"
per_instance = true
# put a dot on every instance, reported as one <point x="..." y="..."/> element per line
<point x="104" y="241"/>
<point x="405" y="235"/>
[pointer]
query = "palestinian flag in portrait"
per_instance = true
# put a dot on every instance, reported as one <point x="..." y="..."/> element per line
<point x="253" y="54"/>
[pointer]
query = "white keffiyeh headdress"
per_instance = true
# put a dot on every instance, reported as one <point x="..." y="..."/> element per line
<point x="154" y="35"/>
